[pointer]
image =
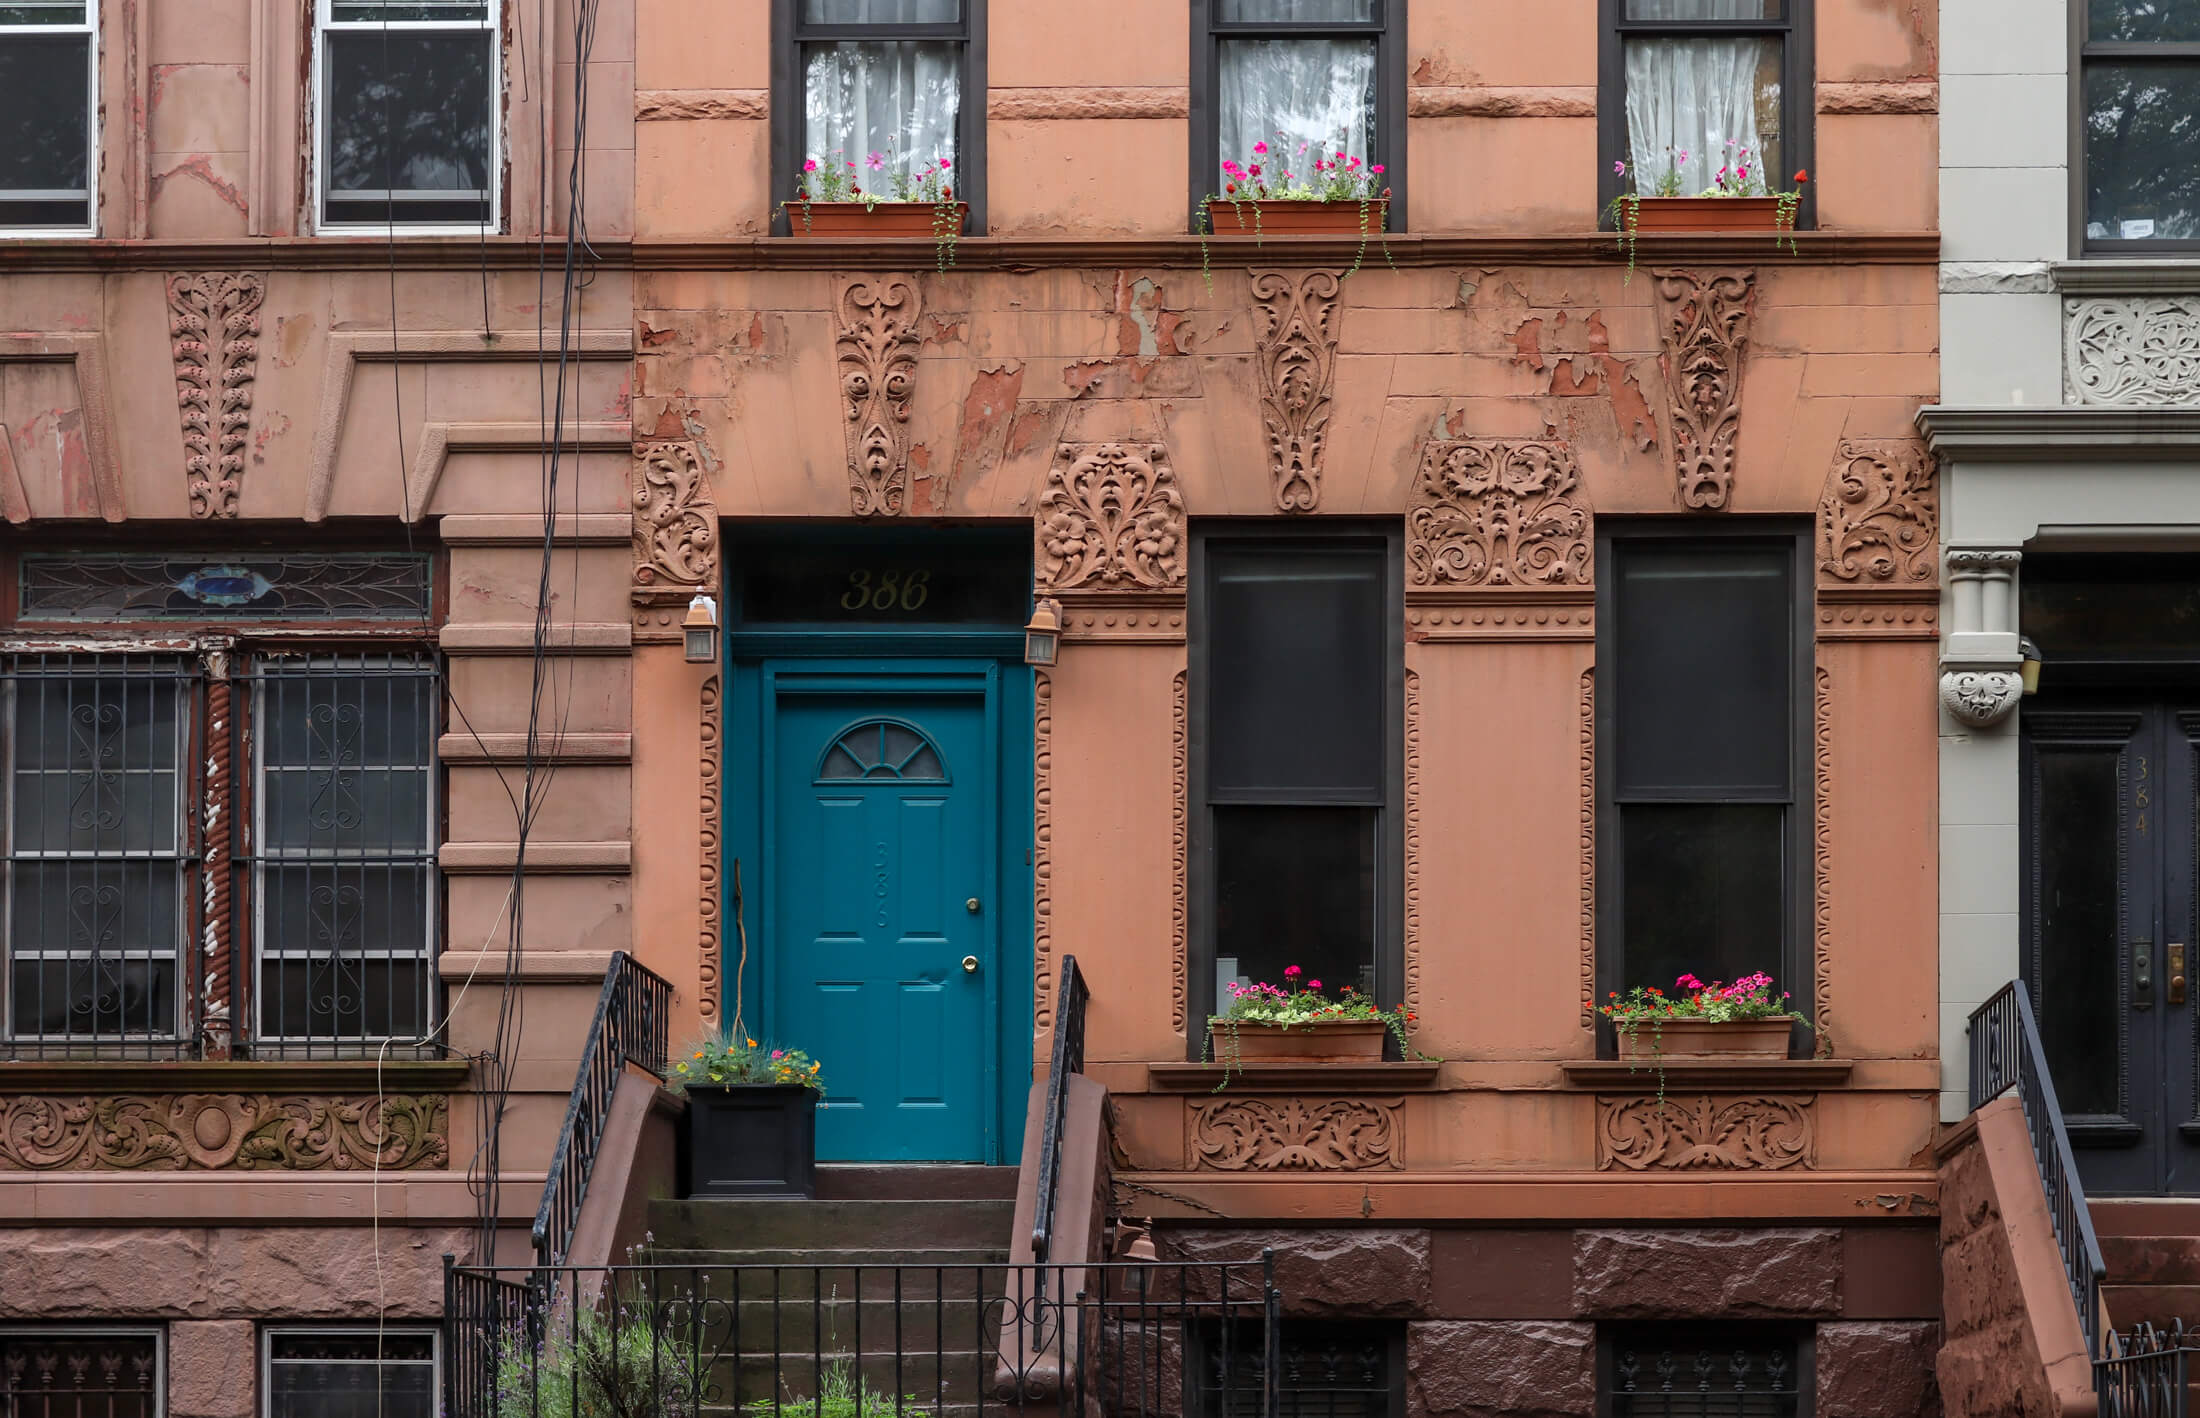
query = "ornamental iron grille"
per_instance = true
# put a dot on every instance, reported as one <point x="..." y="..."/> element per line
<point x="338" y="1373"/>
<point x="63" y="1374"/>
<point x="394" y="586"/>
<point x="1323" y="1370"/>
<point x="1681" y="1371"/>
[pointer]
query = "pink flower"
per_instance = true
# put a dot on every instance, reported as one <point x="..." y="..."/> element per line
<point x="809" y="164"/>
<point x="1375" y="167"/>
<point x="875" y="163"/>
<point x="1619" y="168"/>
<point x="1292" y="972"/>
<point x="1253" y="171"/>
<point x="1261" y="148"/>
<point x="1340" y="155"/>
<point x="945" y="164"/>
<point x="1684" y="156"/>
<point x="1313" y="984"/>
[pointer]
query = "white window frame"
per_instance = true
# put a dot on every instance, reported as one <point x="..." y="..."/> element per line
<point x="499" y="160"/>
<point x="270" y="1333"/>
<point x="157" y="1333"/>
<point x="91" y="127"/>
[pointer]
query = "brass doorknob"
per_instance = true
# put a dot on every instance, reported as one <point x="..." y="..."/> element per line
<point x="971" y="905"/>
<point x="970" y="964"/>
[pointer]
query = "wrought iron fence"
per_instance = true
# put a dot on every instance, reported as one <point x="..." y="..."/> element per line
<point x="2006" y="1054"/>
<point x="2142" y="1373"/>
<point x="667" y="1340"/>
<point x="1068" y="1058"/>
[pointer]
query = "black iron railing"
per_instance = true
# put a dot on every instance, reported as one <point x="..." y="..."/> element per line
<point x="2142" y="1373"/>
<point x="1068" y="1058"/>
<point x="665" y="1340"/>
<point x="632" y="1016"/>
<point x="2006" y="1054"/>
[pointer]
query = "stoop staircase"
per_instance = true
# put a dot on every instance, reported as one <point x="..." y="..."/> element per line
<point x="2151" y="1247"/>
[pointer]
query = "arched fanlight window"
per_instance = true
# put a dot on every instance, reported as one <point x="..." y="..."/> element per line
<point x="882" y="749"/>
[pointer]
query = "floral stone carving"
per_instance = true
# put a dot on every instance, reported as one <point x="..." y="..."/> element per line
<point x="1298" y="1134"/>
<point x="2143" y="351"/>
<point x="675" y="519"/>
<point x="1706" y="331"/>
<point x="1879" y="520"/>
<point x="1297" y="324"/>
<point x="1111" y="519"/>
<point x="1497" y="512"/>
<point x="1980" y="698"/>
<point x="877" y="350"/>
<point x="215" y="321"/>
<point x="1672" y="1133"/>
<point x="215" y="1131"/>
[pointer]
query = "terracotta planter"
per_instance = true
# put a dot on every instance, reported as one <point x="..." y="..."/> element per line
<point x="1345" y="1041"/>
<point x="1282" y="218"/>
<point x="1709" y="214"/>
<point x="1708" y="1039"/>
<point x="887" y="219"/>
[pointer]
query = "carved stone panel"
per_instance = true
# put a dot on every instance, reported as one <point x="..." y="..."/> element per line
<point x="1705" y="329"/>
<point x="675" y="522"/>
<point x="1705" y="1133"/>
<point x="1296" y="321"/>
<point x="2132" y="352"/>
<point x="1497" y="512"/>
<point x="1111" y="519"/>
<point x="216" y="1131"/>
<point x="1297" y="1134"/>
<point x="877" y="353"/>
<point x="215" y="321"/>
<point x="1879" y="518"/>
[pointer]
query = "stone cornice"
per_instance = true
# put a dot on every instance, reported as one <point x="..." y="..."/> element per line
<point x="2127" y="277"/>
<point x="2061" y="433"/>
<point x="105" y="1076"/>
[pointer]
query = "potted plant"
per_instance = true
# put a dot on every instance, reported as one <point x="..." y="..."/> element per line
<point x="832" y="201"/>
<point x="1744" y="1019"/>
<point x="752" y="1119"/>
<point x="1739" y="199"/>
<point x="1267" y="195"/>
<point x="1296" y="1021"/>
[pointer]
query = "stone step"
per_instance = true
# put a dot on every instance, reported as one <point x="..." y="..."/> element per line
<point x="935" y="1181"/>
<point x="785" y="1225"/>
<point x="877" y="1264"/>
<point x="2152" y="1260"/>
<point x="2129" y="1305"/>
<point x="2146" y="1216"/>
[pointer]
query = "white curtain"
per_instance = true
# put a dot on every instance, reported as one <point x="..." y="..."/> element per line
<point x="896" y="99"/>
<point x="1319" y="92"/>
<point x="1296" y="12"/>
<point x="1699" y="96"/>
<point x="881" y="12"/>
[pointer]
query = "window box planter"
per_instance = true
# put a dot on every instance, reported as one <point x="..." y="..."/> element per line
<point x="1342" y="1041"/>
<point x="1283" y="217"/>
<point x="1707" y="1038"/>
<point x="752" y="1140"/>
<point x="1711" y="214"/>
<point x="921" y="220"/>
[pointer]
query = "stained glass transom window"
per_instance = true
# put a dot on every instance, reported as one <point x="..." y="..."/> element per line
<point x="393" y="586"/>
<point x="882" y="749"/>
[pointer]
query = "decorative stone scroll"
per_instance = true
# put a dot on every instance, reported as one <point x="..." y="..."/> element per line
<point x="1981" y="698"/>
<point x="215" y="321"/>
<point x="2138" y="352"/>
<point x="877" y="351"/>
<point x="1497" y="512"/>
<point x="1296" y="319"/>
<point x="223" y="1131"/>
<point x="1706" y="332"/>
<point x="1298" y="1135"/>
<point x="710" y="932"/>
<point x="1111" y="519"/>
<point x="1758" y="1133"/>
<point x="1879" y="518"/>
<point x="1821" y="853"/>
<point x="1180" y="849"/>
<point x="675" y="520"/>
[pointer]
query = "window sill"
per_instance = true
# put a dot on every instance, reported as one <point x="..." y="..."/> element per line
<point x="2108" y="275"/>
<point x="1788" y="1075"/>
<point x="234" y="1076"/>
<point x="1418" y="1076"/>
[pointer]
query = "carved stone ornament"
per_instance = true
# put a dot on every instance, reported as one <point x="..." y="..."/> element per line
<point x="253" y="1132"/>
<point x="1674" y="1134"/>
<point x="215" y="321"/>
<point x="1296" y="319"/>
<point x="1497" y="512"/>
<point x="1111" y="519"/>
<point x="1298" y="1135"/>
<point x="1706" y="332"/>
<point x="877" y="350"/>
<point x="1879" y="519"/>
<point x="2132" y="352"/>
<point x="675" y="520"/>
<point x="1980" y="698"/>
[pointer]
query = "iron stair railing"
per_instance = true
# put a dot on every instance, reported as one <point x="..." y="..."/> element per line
<point x="2143" y="1374"/>
<point x="1068" y="1058"/>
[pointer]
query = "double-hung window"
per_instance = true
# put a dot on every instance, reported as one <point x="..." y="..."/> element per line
<point x="1296" y="699"/>
<point x="409" y="92"/>
<point x="1703" y="704"/>
<point x="49" y="99"/>
<point x="1691" y="87"/>
<point x="2139" y="110"/>
<point x="1310" y="79"/>
<point x="361" y="1373"/>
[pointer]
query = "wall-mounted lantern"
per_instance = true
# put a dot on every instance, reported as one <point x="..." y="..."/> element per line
<point x="700" y="630"/>
<point x="1043" y="636"/>
<point x="2028" y="668"/>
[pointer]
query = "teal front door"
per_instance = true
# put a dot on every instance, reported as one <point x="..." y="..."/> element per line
<point x="882" y="949"/>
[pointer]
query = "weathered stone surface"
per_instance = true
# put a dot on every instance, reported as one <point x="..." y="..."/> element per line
<point x="211" y="1364"/>
<point x="1491" y="1369"/>
<point x="1499" y="101"/>
<point x="1729" y="1273"/>
<point x="1882" y="1369"/>
<point x="1330" y="1272"/>
<point x="701" y="103"/>
<point x="1988" y="1361"/>
<point x="1907" y="96"/>
<point x="1088" y="102"/>
<point x="159" y="1272"/>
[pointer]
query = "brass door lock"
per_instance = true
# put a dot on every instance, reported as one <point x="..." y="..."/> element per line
<point x="2176" y="972"/>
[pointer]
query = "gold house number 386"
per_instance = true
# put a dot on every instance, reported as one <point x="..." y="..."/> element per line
<point x="886" y="591"/>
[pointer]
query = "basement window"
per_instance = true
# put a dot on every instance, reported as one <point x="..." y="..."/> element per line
<point x="319" y="1373"/>
<point x="407" y="101"/>
<point x="48" y="97"/>
<point x="80" y="1372"/>
<point x="1324" y="1369"/>
<point x="1722" y="1370"/>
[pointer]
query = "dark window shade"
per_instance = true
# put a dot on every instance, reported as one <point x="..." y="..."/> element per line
<point x="45" y="168"/>
<point x="1705" y="679"/>
<point x="2076" y="828"/>
<point x="1297" y="673"/>
<point x="409" y="119"/>
<point x="345" y="1375"/>
<point x="1704" y="890"/>
<point x="1294" y="886"/>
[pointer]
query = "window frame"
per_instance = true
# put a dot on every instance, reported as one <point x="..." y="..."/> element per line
<point x="155" y="1332"/>
<point x="269" y="1333"/>
<point x="2083" y="48"/>
<point x="1200" y="906"/>
<point x="790" y="108"/>
<point x="90" y="227"/>
<point x="317" y="164"/>
<point x="1797" y="952"/>
<point x="1753" y="1334"/>
<point x="1389" y="32"/>
<point x="1798" y="91"/>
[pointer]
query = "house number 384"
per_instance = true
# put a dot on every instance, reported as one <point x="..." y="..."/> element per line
<point x="886" y="590"/>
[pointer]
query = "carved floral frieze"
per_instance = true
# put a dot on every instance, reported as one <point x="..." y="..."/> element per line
<point x="1111" y="519"/>
<point x="1705" y="332"/>
<point x="2133" y="352"/>
<point x="1759" y="1132"/>
<point x="1298" y="1134"/>
<point x="1497" y="512"/>
<point x="214" y="319"/>
<point x="675" y="520"/>
<point x="223" y="1131"/>
<point x="877" y="352"/>
<point x="1879" y="518"/>
<point x="1296" y="319"/>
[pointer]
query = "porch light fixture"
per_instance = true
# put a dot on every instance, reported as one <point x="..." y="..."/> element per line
<point x="700" y="631"/>
<point x="1043" y="636"/>
<point x="2028" y="666"/>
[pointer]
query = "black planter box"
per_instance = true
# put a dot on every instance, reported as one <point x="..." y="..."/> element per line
<point x="752" y="1139"/>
